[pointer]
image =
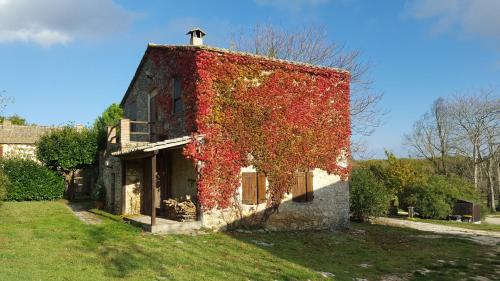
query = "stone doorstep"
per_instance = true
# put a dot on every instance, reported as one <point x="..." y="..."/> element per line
<point x="165" y="226"/>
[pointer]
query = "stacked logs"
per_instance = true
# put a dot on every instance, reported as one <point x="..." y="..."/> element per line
<point x="179" y="210"/>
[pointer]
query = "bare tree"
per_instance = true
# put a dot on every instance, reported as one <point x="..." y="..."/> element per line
<point x="430" y="137"/>
<point x="311" y="45"/>
<point x="476" y="119"/>
<point x="4" y="101"/>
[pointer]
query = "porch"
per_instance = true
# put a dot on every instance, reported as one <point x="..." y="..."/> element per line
<point x="153" y="176"/>
<point x="165" y="226"/>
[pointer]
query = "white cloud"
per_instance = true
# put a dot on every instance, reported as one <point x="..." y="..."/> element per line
<point x="477" y="18"/>
<point x="50" y="22"/>
<point x="290" y="4"/>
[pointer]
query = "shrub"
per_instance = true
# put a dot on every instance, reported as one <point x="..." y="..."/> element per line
<point x="427" y="202"/>
<point x="435" y="197"/>
<point x="368" y="195"/>
<point x="4" y="182"/>
<point x="31" y="181"/>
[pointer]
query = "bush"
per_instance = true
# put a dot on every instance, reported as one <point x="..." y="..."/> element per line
<point x="427" y="202"/>
<point x="4" y="182"/>
<point x="368" y="195"/>
<point x="435" y="197"/>
<point x="31" y="181"/>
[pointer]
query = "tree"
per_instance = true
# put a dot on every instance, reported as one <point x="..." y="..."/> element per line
<point x="476" y="119"/>
<point x="68" y="150"/>
<point x="464" y="127"/>
<point x="4" y="100"/>
<point x="110" y="117"/>
<point x="311" y="45"/>
<point x="430" y="137"/>
<point x="15" y="119"/>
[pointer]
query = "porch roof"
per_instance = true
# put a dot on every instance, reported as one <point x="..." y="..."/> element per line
<point x="165" y="144"/>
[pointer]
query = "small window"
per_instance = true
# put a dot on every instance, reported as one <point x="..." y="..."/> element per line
<point x="253" y="188"/>
<point x="302" y="190"/>
<point x="177" y="102"/>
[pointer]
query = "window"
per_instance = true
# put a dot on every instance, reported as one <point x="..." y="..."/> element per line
<point x="253" y="188"/>
<point x="302" y="190"/>
<point x="177" y="102"/>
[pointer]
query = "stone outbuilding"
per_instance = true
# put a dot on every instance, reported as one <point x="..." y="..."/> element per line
<point x="20" y="140"/>
<point x="148" y="178"/>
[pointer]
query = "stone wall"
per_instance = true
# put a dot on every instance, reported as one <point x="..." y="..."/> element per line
<point x="328" y="210"/>
<point x="110" y="175"/>
<point x="183" y="176"/>
<point x="134" y="183"/>
<point x="26" y="151"/>
<point x="151" y="84"/>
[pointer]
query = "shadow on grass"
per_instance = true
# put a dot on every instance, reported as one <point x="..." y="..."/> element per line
<point x="363" y="251"/>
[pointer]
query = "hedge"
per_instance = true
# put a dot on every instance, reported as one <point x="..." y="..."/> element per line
<point x="4" y="182"/>
<point x="30" y="181"/>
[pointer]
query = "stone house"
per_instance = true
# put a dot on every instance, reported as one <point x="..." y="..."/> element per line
<point x="20" y="140"/>
<point x="144" y="164"/>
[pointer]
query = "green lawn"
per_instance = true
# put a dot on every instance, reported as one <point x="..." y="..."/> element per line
<point x="482" y="226"/>
<point x="44" y="241"/>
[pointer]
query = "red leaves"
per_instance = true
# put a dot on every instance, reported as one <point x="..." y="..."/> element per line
<point x="287" y="117"/>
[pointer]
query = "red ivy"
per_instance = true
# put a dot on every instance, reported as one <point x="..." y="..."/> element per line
<point x="275" y="116"/>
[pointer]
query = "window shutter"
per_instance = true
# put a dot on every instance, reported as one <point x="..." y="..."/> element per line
<point x="299" y="188"/>
<point x="309" y="186"/>
<point x="261" y="187"/>
<point x="249" y="188"/>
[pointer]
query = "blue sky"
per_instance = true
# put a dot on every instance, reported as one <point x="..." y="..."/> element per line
<point x="66" y="60"/>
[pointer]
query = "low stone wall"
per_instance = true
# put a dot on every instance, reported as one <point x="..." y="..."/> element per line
<point x="328" y="210"/>
<point x="26" y="151"/>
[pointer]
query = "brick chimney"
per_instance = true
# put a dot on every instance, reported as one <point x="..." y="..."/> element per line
<point x="196" y="35"/>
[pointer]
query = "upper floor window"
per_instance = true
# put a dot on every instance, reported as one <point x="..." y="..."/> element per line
<point x="177" y="102"/>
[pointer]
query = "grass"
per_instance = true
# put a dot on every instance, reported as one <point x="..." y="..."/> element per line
<point x="483" y="226"/>
<point x="44" y="241"/>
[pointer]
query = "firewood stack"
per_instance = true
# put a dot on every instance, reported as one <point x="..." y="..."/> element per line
<point x="180" y="210"/>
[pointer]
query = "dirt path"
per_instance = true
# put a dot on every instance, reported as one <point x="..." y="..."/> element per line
<point x="493" y="219"/>
<point x="480" y="236"/>
<point x="83" y="214"/>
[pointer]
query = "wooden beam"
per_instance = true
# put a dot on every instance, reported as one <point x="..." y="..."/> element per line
<point x="135" y="155"/>
<point x="124" y="186"/>
<point x="153" y="191"/>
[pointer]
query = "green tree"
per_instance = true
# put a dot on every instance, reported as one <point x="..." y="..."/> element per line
<point x="110" y="117"/>
<point x="68" y="150"/>
<point x="401" y="173"/>
<point x="15" y="119"/>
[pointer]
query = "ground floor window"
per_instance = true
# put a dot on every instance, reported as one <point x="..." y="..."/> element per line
<point x="253" y="188"/>
<point x="302" y="190"/>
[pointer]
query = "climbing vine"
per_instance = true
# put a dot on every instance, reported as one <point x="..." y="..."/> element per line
<point x="276" y="116"/>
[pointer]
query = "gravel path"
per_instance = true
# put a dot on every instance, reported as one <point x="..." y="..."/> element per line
<point x="83" y="214"/>
<point x="480" y="236"/>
